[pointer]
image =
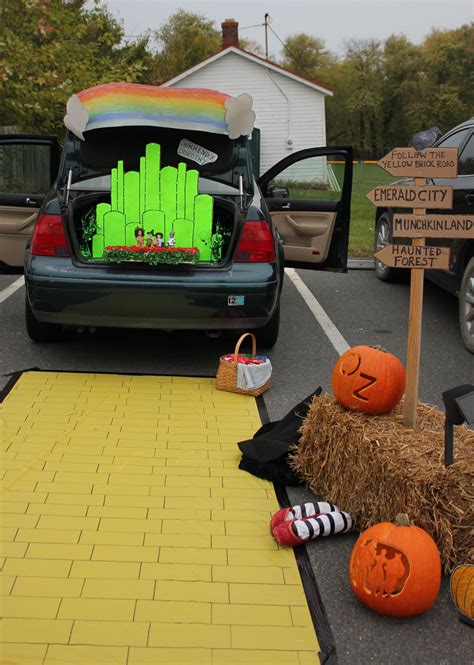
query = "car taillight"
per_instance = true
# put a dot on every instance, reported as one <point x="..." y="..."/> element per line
<point x="256" y="244"/>
<point x="49" y="238"/>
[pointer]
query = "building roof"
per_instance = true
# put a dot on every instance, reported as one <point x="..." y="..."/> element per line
<point x="254" y="58"/>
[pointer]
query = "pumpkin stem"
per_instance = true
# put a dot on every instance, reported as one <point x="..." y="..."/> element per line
<point x="378" y="347"/>
<point x="402" y="519"/>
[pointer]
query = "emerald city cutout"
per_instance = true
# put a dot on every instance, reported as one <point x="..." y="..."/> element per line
<point x="155" y="206"/>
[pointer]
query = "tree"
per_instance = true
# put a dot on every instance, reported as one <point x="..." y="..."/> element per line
<point x="309" y="57"/>
<point x="184" y="41"/>
<point x="52" y="49"/>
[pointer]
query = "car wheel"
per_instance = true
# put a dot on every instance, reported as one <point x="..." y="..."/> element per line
<point x="466" y="306"/>
<point x="383" y="235"/>
<point x="268" y="335"/>
<point x="39" y="331"/>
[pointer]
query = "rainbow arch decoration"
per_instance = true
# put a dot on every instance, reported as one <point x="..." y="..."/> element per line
<point x="134" y="104"/>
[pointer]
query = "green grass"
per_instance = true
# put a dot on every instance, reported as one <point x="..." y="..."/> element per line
<point x="365" y="177"/>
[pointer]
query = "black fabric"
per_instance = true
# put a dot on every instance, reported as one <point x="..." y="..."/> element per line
<point x="266" y="454"/>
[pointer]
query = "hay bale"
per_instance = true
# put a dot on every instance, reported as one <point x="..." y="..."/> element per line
<point x="374" y="467"/>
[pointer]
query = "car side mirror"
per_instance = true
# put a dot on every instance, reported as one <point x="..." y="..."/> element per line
<point x="278" y="192"/>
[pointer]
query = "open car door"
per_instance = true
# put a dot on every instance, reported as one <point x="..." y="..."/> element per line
<point x="28" y="167"/>
<point x="308" y="195"/>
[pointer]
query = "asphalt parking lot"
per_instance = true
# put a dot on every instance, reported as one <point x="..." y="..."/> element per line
<point x="363" y="310"/>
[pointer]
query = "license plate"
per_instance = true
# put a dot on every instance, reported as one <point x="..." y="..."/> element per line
<point x="232" y="301"/>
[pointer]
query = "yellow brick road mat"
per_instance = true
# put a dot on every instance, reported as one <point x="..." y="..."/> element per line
<point x="130" y="536"/>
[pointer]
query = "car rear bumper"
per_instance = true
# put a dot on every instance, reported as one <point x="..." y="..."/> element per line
<point x="60" y="292"/>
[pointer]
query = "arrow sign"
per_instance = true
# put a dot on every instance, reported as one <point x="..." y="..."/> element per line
<point x="426" y="163"/>
<point x="413" y="256"/>
<point x="411" y="196"/>
<point x="433" y="226"/>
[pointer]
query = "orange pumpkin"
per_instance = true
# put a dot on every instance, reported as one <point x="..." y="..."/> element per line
<point x="395" y="569"/>
<point x="462" y="589"/>
<point x="368" y="379"/>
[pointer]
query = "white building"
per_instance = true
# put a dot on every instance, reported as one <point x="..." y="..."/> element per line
<point x="290" y="109"/>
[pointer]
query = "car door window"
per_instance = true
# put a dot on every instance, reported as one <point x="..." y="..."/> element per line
<point x="466" y="159"/>
<point x="454" y="140"/>
<point x="25" y="168"/>
<point x="317" y="178"/>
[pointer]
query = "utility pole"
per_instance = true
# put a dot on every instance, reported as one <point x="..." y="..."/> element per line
<point x="266" y="35"/>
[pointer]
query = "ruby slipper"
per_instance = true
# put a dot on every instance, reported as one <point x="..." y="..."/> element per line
<point x="296" y="532"/>
<point x="301" y="511"/>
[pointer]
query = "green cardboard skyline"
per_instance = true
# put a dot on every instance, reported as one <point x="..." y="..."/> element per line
<point x="158" y="199"/>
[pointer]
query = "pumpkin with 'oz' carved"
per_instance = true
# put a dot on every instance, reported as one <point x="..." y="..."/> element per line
<point x="368" y="379"/>
<point x="462" y="589"/>
<point x="395" y="569"/>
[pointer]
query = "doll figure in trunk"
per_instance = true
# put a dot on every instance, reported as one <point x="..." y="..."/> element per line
<point x="140" y="236"/>
<point x="158" y="242"/>
<point x="171" y="239"/>
<point x="149" y="238"/>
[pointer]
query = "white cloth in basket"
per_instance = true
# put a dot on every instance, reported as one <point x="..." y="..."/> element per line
<point x="250" y="377"/>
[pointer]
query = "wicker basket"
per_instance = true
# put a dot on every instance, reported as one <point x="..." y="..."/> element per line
<point x="226" y="378"/>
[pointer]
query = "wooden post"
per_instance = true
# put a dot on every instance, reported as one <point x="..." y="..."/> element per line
<point x="414" y="331"/>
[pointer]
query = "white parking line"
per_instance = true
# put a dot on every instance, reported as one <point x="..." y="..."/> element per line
<point x="330" y="330"/>
<point x="10" y="290"/>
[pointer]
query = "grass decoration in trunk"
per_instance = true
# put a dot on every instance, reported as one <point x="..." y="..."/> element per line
<point x="152" y="255"/>
<point x="376" y="467"/>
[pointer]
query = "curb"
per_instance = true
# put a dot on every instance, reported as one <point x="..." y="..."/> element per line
<point x="360" y="264"/>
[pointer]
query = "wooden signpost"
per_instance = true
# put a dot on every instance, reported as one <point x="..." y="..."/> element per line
<point x="420" y="164"/>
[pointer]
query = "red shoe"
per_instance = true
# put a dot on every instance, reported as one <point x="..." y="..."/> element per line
<point x="295" y="532"/>
<point x="301" y="511"/>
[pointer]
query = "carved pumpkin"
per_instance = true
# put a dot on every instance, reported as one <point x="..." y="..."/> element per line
<point x="462" y="589"/>
<point x="368" y="379"/>
<point x="395" y="569"/>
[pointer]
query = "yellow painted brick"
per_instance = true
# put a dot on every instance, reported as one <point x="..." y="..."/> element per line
<point x="76" y="499"/>
<point x="64" y="488"/>
<point x="37" y="567"/>
<point x="81" y="478"/>
<point x="281" y="557"/>
<point x="78" y="467"/>
<point x="122" y="490"/>
<point x="124" y="553"/>
<point x="180" y="514"/>
<point x="32" y="654"/>
<point x="192" y="555"/>
<point x="56" y="509"/>
<point x="68" y="523"/>
<point x="35" y="630"/>
<point x="47" y="536"/>
<point x="146" y="525"/>
<point x="251" y="615"/>
<point x="110" y="633"/>
<point x="178" y="503"/>
<point x="245" y="542"/>
<point x="301" y="616"/>
<point x="177" y="444"/>
<point x="176" y="571"/>
<point x="243" y="482"/>
<point x="139" y="501"/>
<point x="12" y="549"/>
<point x="59" y="551"/>
<point x="177" y="542"/>
<point x="16" y="521"/>
<point x="254" y="656"/>
<point x="48" y="587"/>
<point x="80" y="446"/>
<point x="308" y="658"/>
<point x="255" y="637"/>
<point x="29" y="607"/>
<point x="137" y="466"/>
<point x="78" y="654"/>
<point x="199" y="492"/>
<point x="174" y="656"/>
<point x="110" y="538"/>
<point x="123" y="453"/>
<point x="116" y="512"/>
<point x="248" y="574"/>
<point x="195" y="463"/>
<point x="194" y="636"/>
<point x="105" y="569"/>
<point x="73" y="458"/>
<point x="210" y="592"/>
<point x="228" y="493"/>
<point x="118" y="588"/>
<point x="142" y="479"/>
<point x="6" y="583"/>
<point x="30" y="476"/>
<point x="183" y="480"/>
<point x="234" y="473"/>
<point x="250" y="504"/>
<point x="268" y="594"/>
<point x="292" y="575"/>
<point x="191" y="527"/>
<point x="96" y="609"/>
<point x="161" y="611"/>
<point x="257" y="528"/>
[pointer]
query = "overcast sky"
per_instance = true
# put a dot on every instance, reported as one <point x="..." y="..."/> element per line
<point x="332" y="20"/>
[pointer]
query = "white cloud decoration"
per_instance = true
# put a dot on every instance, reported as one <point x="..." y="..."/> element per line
<point x="239" y="115"/>
<point x="76" y="117"/>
